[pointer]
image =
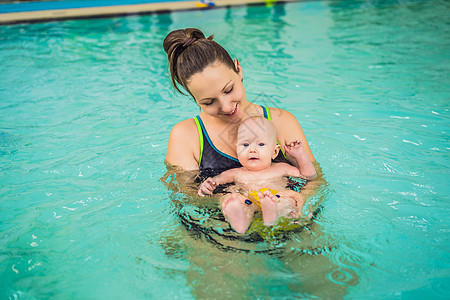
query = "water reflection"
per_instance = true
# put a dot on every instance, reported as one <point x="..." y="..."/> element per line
<point x="292" y="263"/>
<point x="261" y="31"/>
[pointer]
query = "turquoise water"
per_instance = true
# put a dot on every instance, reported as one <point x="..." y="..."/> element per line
<point x="86" y="109"/>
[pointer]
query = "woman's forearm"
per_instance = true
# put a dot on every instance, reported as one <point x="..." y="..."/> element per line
<point x="312" y="188"/>
<point x="181" y="181"/>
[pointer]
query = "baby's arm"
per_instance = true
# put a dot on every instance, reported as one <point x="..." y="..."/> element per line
<point x="209" y="185"/>
<point x="306" y="168"/>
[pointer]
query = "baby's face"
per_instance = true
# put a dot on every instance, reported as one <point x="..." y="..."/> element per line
<point x="256" y="145"/>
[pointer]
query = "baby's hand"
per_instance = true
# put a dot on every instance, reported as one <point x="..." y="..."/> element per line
<point x="295" y="148"/>
<point x="208" y="186"/>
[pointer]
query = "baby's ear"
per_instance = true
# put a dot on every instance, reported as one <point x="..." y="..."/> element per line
<point x="276" y="151"/>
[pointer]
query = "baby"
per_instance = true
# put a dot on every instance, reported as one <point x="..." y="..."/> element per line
<point x="261" y="179"/>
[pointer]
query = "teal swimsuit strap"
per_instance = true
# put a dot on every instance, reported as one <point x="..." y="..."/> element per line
<point x="266" y="112"/>
<point x="200" y="134"/>
<point x="267" y="115"/>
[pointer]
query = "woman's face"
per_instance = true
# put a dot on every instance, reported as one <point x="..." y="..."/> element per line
<point x="219" y="92"/>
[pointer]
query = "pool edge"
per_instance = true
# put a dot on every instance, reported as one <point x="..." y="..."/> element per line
<point x="120" y="10"/>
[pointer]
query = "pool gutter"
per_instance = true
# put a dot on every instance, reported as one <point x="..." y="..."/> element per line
<point x="120" y="10"/>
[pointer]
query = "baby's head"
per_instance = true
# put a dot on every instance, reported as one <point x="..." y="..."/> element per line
<point x="257" y="143"/>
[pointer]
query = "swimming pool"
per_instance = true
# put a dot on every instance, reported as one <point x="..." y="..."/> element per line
<point x="86" y="108"/>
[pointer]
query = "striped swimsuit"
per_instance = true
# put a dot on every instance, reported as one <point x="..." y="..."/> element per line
<point x="213" y="161"/>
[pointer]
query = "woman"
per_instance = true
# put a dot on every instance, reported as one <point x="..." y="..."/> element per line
<point x="208" y="142"/>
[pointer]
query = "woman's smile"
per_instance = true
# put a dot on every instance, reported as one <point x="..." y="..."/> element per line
<point x="233" y="112"/>
<point x="219" y="91"/>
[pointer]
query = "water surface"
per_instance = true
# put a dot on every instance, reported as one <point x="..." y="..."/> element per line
<point x="86" y="109"/>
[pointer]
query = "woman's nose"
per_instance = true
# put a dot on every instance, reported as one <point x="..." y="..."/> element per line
<point x="226" y="105"/>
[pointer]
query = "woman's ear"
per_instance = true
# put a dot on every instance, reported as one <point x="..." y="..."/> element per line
<point x="276" y="151"/>
<point x="238" y="68"/>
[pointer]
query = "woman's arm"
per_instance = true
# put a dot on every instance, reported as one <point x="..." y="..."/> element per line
<point x="182" y="155"/>
<point x="183" y="149"/>
<point x="289" y="130"/>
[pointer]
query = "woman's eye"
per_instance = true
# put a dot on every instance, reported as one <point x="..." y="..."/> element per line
<point x="229" y="91"/>
<point x="261" y="144"/>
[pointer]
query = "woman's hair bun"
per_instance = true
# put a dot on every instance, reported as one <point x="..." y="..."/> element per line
<point x="183" y="38"/>
<point x="189" y="52"/>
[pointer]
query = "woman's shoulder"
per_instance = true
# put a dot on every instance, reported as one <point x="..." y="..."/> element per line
<point x="281" y="116"/>
<point x="184" y="147"/>
<point x="183" y="128"/>
<point x="185" y="133"/>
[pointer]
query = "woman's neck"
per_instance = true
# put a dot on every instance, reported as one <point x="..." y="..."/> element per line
<point x="248" y="110"/>
<point x="227" y="131"/>
<point x="252" y="110"/>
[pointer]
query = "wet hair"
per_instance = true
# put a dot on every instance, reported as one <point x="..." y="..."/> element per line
<point x="189" y="53"/>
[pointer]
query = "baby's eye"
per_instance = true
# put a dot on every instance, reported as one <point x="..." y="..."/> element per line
<point x="261" y="144"/>
<point x="245" y="144"/>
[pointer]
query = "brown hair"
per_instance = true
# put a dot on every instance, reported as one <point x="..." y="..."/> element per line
<point x="189" y="53"/>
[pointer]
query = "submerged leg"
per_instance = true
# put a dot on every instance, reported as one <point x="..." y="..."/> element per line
<point x="238" y="214"/>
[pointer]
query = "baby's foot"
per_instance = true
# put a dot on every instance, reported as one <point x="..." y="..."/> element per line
<point x="232" y="209"/>
<point x="269" y="208"/>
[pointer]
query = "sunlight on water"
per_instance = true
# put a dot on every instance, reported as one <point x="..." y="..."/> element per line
<point x="88" y="211"/>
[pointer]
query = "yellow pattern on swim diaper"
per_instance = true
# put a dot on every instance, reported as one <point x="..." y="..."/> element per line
<point x="253" y="195"/>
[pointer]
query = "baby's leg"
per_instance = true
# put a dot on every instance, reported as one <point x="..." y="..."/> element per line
<point x="238" y="214"/>
<point x="269" y="208"/>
